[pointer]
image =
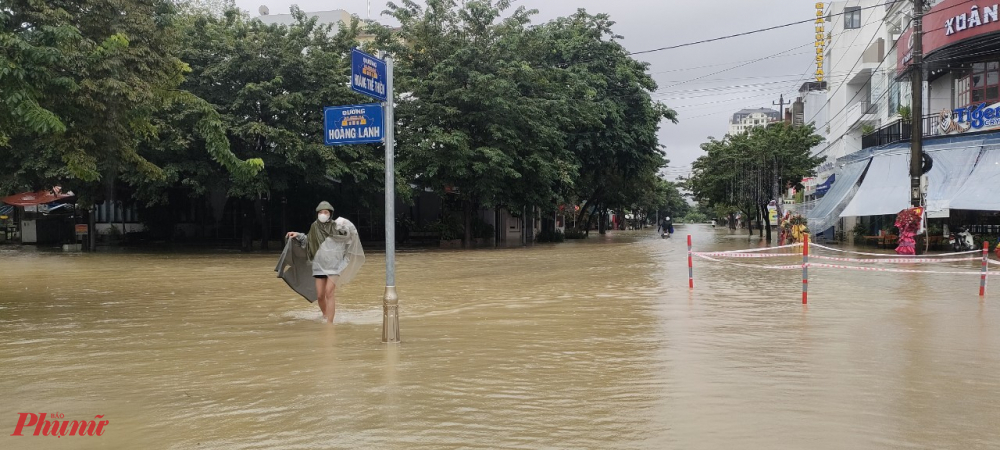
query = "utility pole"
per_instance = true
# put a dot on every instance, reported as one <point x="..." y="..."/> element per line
<point x="776" y="189"/>
<point x="917" y="78"/>
<point x="781" y="105"/>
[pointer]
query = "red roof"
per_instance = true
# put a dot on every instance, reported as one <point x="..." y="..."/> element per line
<point x="37" y="198"/>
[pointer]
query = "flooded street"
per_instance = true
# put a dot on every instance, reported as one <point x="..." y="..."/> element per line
<point x="586" y="344"/>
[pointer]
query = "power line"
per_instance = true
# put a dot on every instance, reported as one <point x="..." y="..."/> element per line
<point x="840" y="85"/>
<point x="747" y="62"/>
<point x="894" y="45"/>
<point x="745" y="33"/>
<point x="715" y="65"/>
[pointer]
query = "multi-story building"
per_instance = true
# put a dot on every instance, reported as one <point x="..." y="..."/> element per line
<point x="746" y="119"/>
<point x="810" y="104"/>
<point x="869" y="181"/>
<point x="855" y="47"/>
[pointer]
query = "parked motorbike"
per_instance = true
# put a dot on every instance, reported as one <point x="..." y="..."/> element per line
<point x="961" y="240"/>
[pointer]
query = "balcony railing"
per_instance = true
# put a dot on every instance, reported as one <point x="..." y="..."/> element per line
<point x="900" y="131"/>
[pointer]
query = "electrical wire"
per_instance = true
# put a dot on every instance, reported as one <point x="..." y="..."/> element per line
<point x="746" y="33"/>
<point x="894" y="45"/>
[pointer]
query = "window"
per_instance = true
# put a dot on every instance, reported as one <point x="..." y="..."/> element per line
<point x="981" y="84"/>
<point x="893" y="96"/>
<point x="852" y="18"/>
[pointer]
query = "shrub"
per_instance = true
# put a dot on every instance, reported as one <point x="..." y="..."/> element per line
<point x="551" y="236"/>
<point x="573" y="233"/>
<point x="449" y="229"/>
<point x="481" y="229"/>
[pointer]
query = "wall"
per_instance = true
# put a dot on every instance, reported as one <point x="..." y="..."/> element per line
<point x="322" y="17"/>
<point x="813" y="102"/>
<point x="941" y="95"/>
<point x="844" y="52"/>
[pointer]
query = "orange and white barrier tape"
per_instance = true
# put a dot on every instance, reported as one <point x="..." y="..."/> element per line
<point x="897" y="260"/>
<point x="890" y="255"/>
<point x="751" y="266"/>
<point x="763" y="249"/>
<point x="878" y="269"/>
<point x="749" y="255"/>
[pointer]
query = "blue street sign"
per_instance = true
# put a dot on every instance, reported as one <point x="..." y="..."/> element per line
<point x="368" y="75"/>
<point x="355" y="124"/>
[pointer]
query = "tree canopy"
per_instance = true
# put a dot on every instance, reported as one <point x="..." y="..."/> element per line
<point x="158" y="98"/>
<point x="747" y="170"/>
<point x="85" y="83"/>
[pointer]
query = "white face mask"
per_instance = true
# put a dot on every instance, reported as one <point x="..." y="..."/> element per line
<point x="324" y="218"/>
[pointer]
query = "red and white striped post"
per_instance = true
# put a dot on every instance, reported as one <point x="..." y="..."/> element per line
<point x="982" y="278"/>
<point x="690" y="266"/>
<point x="805" y="269"/>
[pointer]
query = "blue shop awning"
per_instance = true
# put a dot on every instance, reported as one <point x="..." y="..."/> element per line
<point x="823" y="187"/>
<point x="827" y="211"/>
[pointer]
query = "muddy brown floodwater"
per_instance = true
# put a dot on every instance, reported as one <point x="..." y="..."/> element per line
<point x="595" y="344"/>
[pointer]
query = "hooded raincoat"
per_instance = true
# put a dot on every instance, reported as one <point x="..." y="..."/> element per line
<point x="339" y="256"/>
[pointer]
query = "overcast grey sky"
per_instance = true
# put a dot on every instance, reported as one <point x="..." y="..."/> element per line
<point x="691" y="80"/>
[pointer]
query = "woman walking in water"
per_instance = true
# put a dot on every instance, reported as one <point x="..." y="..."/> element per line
<point x="331" y="253"/>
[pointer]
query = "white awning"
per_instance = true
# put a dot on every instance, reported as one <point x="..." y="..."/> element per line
<point x="980" y="190"/>
<point x="828" y="208"/>
<point x="953" y="165"/>
<point x="885" y="189"/>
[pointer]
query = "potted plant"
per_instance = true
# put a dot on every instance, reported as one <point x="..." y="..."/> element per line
<point x="451" y="234"/>
<point x="859" y="232"/>
<point x="482" y="232"/>
<point x="904" y="113"/>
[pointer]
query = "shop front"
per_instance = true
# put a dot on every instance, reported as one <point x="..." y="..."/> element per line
<point x="42" y="217"/>
<point x="961" y="188"/>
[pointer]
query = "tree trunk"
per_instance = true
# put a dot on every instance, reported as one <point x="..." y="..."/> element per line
<point x="583" y="208"/>
<point x="586" y="225"/>
<point x="601" y="221"/>
<point x="246" y="216"/>
<point x="497" y="228"/>
<point x="92" y="229"/>
<point x="766" y="221"/>
<point x="264" y="223"/>
<point x="284" y="214"/>
<point x="468" y="224"/>
<point x="529" y="225"/>
<point x="761" y="222"/>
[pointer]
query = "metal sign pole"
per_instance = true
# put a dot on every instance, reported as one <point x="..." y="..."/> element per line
<point x="390" y="302"/>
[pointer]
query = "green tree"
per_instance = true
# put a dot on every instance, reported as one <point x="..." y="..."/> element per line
<point x="744" y="170"/>
<point x="614" y="137"/>
<point x="483" y="119"/>
<point x="269" y="84"/>
<point x="86" y="81"/>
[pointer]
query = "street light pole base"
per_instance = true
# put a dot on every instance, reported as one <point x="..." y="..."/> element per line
<point x="390" y="316"/>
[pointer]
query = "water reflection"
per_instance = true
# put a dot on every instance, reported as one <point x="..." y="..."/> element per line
<point x="594" y="344"/>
